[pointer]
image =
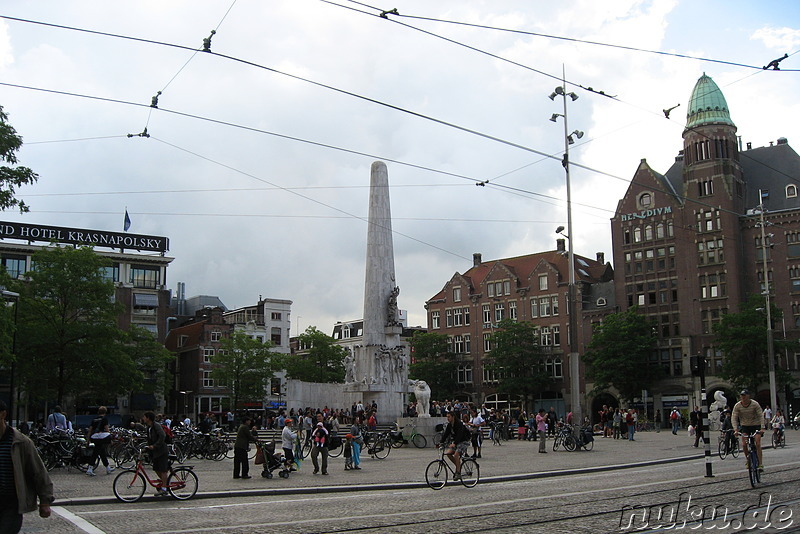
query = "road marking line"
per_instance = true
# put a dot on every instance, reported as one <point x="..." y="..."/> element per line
<point x="79" y="522"/>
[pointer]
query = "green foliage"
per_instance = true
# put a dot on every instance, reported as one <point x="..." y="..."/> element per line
<point x="742" y="337"/>
<point x="140" y="346"/>
<point x="245" y="366"/>
<point x="68" y="341"/>
<point x="11" y="177"/>
<point x="619" y="354"/>
<point x="434" y="364"/>
<point x="518" y="359"/>
<point x="7" y="323"/>
<point x="324" y="361"/>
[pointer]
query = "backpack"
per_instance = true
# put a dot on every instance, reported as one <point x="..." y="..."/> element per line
<point x="673" y="416"/>
<point x="168" y="435"/>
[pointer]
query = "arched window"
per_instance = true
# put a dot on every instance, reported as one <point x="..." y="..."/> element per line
<point x="648" y="232"/>
<point x="637" y="235"/>
<point x="791" y="191"/>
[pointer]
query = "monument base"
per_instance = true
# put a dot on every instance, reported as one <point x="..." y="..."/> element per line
<point x="424" y="425"/>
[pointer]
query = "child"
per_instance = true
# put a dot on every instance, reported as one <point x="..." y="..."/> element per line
<point x="348" y="452"/>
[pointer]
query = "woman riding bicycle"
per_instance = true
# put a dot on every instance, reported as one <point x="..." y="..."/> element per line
<point x="778" y="422"/>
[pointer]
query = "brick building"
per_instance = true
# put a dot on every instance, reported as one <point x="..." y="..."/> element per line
<point x="526" y="288"/>
<point x="687" y="243"/>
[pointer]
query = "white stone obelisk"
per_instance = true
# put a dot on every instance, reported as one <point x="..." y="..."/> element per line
<point x="381" y="362"/>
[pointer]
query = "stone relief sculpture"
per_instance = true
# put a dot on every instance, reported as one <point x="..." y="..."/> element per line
<point x="392" y="308"/>
<point x="422" y="392"/>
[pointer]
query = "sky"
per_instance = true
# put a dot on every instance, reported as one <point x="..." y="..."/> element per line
<point x="257" y="165"/>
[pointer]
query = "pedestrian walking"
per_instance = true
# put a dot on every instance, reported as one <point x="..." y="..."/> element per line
<point x="100" y="437"/>
<point x="244" y="436"/>
<point x="23" y="477"/>
<point x="541" y="427"/>
<point x="319" y="446"/>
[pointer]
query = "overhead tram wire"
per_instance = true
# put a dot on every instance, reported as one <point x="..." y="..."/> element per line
<point x="323" y="145"/>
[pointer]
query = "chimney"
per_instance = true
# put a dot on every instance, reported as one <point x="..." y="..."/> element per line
<point x="476" y="259"/>
<point x="749" y="145"/>
<point x="783" y="141"/>
<point x="601" y="258"/>
<point x="561" y="245"/>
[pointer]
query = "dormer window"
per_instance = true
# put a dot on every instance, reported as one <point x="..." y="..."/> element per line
<point x="601" y="302"/>
<point x="645" y="200"/>
<point x="791" y="191"/>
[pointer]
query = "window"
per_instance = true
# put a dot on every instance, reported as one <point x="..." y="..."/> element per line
<point x="487" y="344"/>
<point x="276" y="316"/>
<point x="435" y="319"/>
<point x="467" y="344"/>
<point x="542" y="282"/>
<point x="512" y="310"/>
<point x="498" y="288"/>
<point x="145" y="277"/>
<point x="507" y="287"/>
<point x="637" y="235"/>
<point x="458" y="344"/>
<point x="534" y="307"/>
<point x="705" y="187"/>
<point x="458" y="315"/>
<point x="659" y="230"/>
<point x="111" y="273"/>
<point x="545" y="339"/>
<point x="645" y="200"/>
<point x="499" y="312"/>
<point x="648" y="232"/>
<point x="487" y="314"/>
<point x="544" y="307"/>
<point x="207" y="354"/>
<point x="275" y="336"/>
<point x="466" y="316"/>
<point x="465" y="373"/>
<point x="15" y="266"/>
<point x="490" y="289"/>
<point x="182" y="340"/>
<point x="456" y="294"/>
<point x="712" y="286"/>
<point x="554" y="305"/>
<point x="208" y="382"/>
<point x="791" y="191"/>
<point x="556" y="331"/>
<point x="558" y="368"/>
<point x="216" y="335"/>
<point x="449" y="315"/>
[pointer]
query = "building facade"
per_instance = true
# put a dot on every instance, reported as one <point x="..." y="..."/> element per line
<point x="139" y="272"/>
<point x="688" y="249"/>
<point x="530" y="288"/>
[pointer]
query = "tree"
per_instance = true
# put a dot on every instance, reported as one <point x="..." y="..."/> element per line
<point x="245" y="366"/>
<point x="619" y="354"/>
<point x="11" y="177"/>
<point x="517" y="359"/>
<point x="742" y="337"/>
<point x="434" y="364"/>
<point x="68" y="340"/>
<point x="324" y="361"/>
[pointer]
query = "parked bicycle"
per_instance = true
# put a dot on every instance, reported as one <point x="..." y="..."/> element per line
<point x="728" y="444"/>
<point x="130" y="485"/>
<point x="414" y="437"/>
<point x="436" y="474"/>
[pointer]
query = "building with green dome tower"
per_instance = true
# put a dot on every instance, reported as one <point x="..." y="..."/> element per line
<point x="687" y="247"/>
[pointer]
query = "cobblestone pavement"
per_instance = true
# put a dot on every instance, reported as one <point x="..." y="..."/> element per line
<point x="406" y="466"/>
<point x="577" y="492"/>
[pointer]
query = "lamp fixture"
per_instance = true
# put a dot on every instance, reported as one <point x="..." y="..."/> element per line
<point x="555" y="117"/>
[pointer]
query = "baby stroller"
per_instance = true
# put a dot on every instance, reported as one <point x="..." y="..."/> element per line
<point x="272" y="461"/>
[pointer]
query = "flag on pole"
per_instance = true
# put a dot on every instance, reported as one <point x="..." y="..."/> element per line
<point x="127" y="224"/>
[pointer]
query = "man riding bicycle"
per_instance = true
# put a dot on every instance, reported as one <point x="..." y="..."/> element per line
<point x="456" y="436"/>
<point x="748" y="418"/>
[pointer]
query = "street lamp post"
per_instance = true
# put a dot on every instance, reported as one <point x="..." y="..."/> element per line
<point x="10" y="296"/>
<point x="574" y="356"/>
<point x="773" y="388"/>
<point x="185" y="402"/>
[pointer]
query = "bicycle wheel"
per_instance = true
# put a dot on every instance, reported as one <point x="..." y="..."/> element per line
<point x="723" y="449"/>
<point x="126" y="458"/>
<point x="306" y="449"/>
<point x="382" y="448"/>
<point x="437" y="439"/>
<point x="569" y="443"/>
<point x="753" y="469"/>
<point x="436" y="474"/>
<point x="776" y="440"/>
<point x="470" y="473"/>
<point x="229" y="449"/>
<point x="129" y="486"/>
<point x="335" y="452"/>
<point x="557" y="442"/>
<point x="182" y="483"/>
<point x="733" y="448"/>
<point x="783" y="439"/>
<point x="419" y="441"/>
<point x="588" y="445"/>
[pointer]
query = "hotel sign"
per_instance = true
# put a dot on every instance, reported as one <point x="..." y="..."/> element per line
<point x="77" y="236"/>
<point x="644" y="214"/>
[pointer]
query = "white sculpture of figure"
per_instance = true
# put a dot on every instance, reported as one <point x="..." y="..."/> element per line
<point x="720" y="401"/>
<point x="422" y="392"/>
<point x="349" y="368"/>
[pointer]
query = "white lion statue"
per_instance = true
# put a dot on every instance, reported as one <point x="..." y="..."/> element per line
<point x="422" y="392"/>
